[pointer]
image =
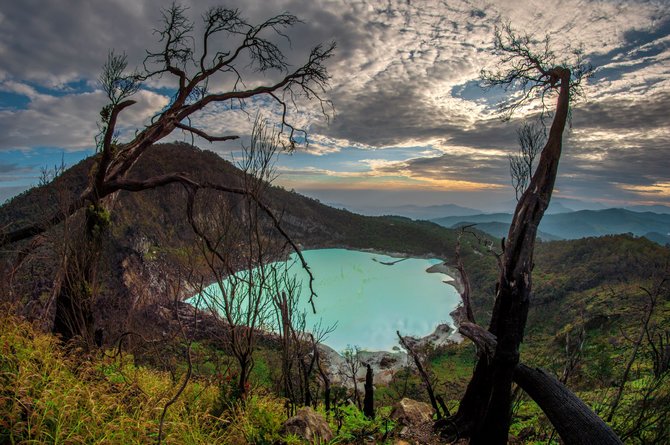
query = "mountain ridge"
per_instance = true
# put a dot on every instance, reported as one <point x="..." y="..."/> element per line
<point x="575" y="225"/>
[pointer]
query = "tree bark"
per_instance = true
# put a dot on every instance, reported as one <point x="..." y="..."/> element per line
<point x="324" y="377"/>
<point x="573" y="419"/>
<point x="489" y="392"/>
<point x="369" y="399"/>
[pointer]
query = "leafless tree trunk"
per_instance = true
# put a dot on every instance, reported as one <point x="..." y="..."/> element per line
<point x="427" y="381"/>
<point x="299" y="346"/>
<point x="485" y="410"/>
<point x="653" y="296"/>
<point x="573" y="351"/>
<point x="531" y="141"/>
<point x="369" y="397"/>
<point x="353" y="364"/>
<point x="324" y="377"/>
<point x="659" y="343"/>
<point x="573" y="420"/>
<point x="241" y="249"/>
<point x="250" y="50"/>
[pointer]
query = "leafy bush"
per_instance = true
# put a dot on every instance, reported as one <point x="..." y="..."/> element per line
<point x="352" y="426"/>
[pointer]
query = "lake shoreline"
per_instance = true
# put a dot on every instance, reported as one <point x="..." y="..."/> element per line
<point x="386" y="362"/>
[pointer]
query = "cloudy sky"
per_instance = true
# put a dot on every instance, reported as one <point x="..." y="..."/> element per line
<point x="410" y="126"/>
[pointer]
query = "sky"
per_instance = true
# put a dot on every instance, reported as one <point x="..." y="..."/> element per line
<point x="410" y="124"/>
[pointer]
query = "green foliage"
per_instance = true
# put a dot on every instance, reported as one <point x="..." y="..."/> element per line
<point x="352" y="426"/>
<point x="98" y="220"/>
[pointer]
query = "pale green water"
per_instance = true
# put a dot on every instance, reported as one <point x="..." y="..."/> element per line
<point x="370" y="301"/>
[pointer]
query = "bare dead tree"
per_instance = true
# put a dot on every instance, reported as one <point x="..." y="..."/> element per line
<point x="659" y="345"/>
<point x="642" y="407"/>
<point x="309" y="359"/>
<point x="352" y="365"/>
<point x="531" y="140"/>
<point x="284" y="308"/>
<point x="428" y="381"/>
<point x="530" y="68"/>
<point x="241" y="246"/>
<point x="369" y="397"/>
<point x="574" y="347"/>
<point x="299" y="342"/>
<point x="229" y="49"/>
<point x="184" y="383"/>
<point x="325" y="378"/>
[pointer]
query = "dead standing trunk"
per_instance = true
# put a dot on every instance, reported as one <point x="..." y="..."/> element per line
<point x="487" y="402"/>
<point x="574" y="421"/>
<point x="422" y="372"/>
<point x="369" y="399"/>
<point x="74" y="299"/>
<point x="324" y="377"/>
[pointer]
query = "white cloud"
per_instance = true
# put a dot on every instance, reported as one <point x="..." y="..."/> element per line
<point x="394" y="73"/>
<point x="11" y="86"/>
<point x="68" y="121"/>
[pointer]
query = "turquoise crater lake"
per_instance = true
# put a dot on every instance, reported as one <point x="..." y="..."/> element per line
<point x="369" y="300"/>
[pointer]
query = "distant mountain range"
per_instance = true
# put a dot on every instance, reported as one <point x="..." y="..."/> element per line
<point x="411" y="211"/>
<point x="565" y="219"/>
<point x="433" y="212"/>
<point x="654" y="208"/>
<point x="575" y="225"/>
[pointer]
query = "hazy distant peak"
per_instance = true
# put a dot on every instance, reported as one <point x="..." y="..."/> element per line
<point x="412" y="211"/>
<point x="650" y="208"/>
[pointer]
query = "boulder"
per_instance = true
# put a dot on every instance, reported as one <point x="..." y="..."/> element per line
<point x="409" y="412"/>
<point x="309" y="425"/>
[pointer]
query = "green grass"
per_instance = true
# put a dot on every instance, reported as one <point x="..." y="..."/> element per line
<point x="61" y="395"/>
<point x="48" y="395"/>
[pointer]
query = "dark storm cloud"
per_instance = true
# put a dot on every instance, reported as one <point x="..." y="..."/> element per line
<point x="389" y="116"/>
<point x="634" y="165"/>
<point x="54" y="42"/>
<point x="484" y="167"/>
<point x="489" y="133"/>
<point x="8" y="167"/>
<point x="637" y="113"/>
<point x="47" y="46"/>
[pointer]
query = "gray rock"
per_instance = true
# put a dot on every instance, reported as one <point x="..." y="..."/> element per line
<point x="411" y="413"/>
<point x="309" y="425"/>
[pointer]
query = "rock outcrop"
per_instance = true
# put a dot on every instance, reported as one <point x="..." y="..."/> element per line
<point x="309" y="425"/>
<point x="415" y="423"/>
<point x="408" y="412"/>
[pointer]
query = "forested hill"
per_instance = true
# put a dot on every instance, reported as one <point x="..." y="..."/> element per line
<point x="160" y="214"/>
<point x="152" y="242"/>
